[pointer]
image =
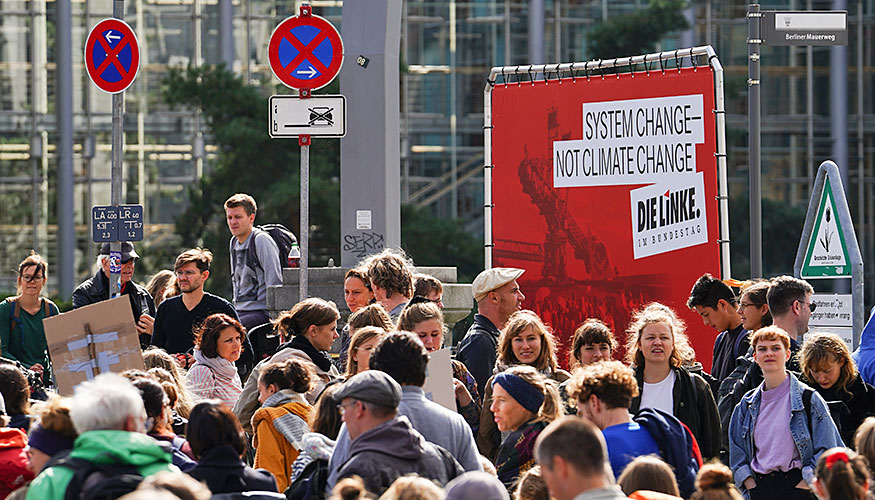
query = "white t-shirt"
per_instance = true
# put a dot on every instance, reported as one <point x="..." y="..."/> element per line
<point x="659" y="395"/>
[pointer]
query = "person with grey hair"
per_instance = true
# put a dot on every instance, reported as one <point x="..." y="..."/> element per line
<point x="109" y="415"/>
<point x="385" y="446"/>
<point x="96" y="289"/>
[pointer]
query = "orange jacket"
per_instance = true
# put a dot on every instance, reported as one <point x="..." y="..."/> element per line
<point x="273" y="450"/>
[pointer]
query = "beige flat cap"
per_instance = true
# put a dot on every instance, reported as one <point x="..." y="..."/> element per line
<point x="492" y="279"/>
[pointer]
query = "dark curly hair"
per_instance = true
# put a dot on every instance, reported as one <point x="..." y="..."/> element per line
<point x="402" y="356"/>
<point x="206" y="338"/>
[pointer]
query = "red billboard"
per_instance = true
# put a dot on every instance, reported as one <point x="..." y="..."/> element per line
<point x="605" y="192"/>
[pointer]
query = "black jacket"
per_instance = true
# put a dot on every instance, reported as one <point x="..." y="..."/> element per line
<point x="394" y="449"/>
<point x="851" y="406"/>
<point x="96" y="289"/>
<point x="694" y="405"/>
<point x="224" y="472"/>
<point x="478" y="350"/>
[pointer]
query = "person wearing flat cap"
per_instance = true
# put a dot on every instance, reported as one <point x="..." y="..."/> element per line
<point x="96" y="289"/>
<point x="498" y="295"/>
<point x="384" y="445"/>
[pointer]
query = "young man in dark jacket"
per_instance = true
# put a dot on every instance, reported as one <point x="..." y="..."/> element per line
<point x="385" y="446"/>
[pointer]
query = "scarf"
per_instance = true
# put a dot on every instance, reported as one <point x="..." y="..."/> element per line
<point x="318" y="358"/>
<point x="218" y="365"/>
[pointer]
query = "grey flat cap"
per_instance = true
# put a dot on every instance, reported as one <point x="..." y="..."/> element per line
<point x="479" y="485"/>
<point x="372" y="386"/>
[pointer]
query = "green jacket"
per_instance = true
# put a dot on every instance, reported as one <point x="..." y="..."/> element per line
<point x="116" y="447"/>
<point x="26" y="340"/>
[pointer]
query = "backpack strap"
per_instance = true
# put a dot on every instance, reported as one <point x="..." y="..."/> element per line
<point x="807" y="393"/>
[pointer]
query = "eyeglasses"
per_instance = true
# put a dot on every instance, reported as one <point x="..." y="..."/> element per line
<point x="341" y="407"/>
<point x="811" y="305"/>
<point x="30" y="278"/>
<point x="746" y="304"/>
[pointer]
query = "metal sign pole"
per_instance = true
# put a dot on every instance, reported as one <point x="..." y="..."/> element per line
<point x="304" y="142"/>
<point x="754" y="40"/>
<point x="118" y="103"/>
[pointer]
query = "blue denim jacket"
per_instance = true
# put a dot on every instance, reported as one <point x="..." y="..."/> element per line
<point x="824" y="436"/>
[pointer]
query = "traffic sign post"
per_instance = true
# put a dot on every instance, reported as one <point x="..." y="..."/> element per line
<point x="828" y="248"/>
<point x="112" y="60"/>
<point x="305" y="53"/>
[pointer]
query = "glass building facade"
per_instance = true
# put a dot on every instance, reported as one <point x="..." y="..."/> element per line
<point x="447" y="49"/>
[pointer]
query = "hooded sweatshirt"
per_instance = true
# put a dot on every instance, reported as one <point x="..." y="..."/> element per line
<point x="103" y="447"/>
<point x="14" y="468"/>
<point x="279" y="427"/>
<point x="394" y="449"/>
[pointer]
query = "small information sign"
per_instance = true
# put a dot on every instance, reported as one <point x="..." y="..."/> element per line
<point x="815" y="27"/>
<point x="104" y="224"/>
<point x="130" y="218"/>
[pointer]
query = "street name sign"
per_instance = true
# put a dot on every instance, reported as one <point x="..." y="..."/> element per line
<point x="818" y="27"/>
<point x="305" y="52"/>
<point x="320" y="115"/>
<point x="112" y="55"/>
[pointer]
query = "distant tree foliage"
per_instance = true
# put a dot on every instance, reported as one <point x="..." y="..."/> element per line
<point x="636" y="32"/>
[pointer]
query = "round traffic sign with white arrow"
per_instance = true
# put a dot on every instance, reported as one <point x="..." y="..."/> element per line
<point x="305" y="52"/>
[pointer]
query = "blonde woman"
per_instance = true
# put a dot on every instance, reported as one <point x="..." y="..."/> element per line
<point x="155" y="357"/>
<point x="359" y="352"/>
<point x="657" y="348"/>
<point x="525" y="340"/>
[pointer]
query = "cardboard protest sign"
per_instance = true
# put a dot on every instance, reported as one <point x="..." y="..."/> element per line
<point x="91" y="340"/>
<point x="439" y="379"/>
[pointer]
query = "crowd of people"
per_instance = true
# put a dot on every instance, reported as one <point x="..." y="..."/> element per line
<point x="221" y="413"/>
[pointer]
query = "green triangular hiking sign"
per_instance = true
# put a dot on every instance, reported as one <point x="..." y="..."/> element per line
<point x="826" y="255"/>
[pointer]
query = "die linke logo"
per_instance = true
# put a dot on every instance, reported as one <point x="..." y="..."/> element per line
<point x="667" y="209"/>
<point x="669" y="218"/>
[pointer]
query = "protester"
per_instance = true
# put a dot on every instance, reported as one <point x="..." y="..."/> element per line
<point x="828" y="368"/>
<point x="359" y="351"/>
<point x="52" y="434"/>
<point x="656" y="346"/>
<point x="176" y="484"/>
<point x="385" y="446"/>
<point x="159" y="423"/>
<point x="154" y="357"/>
<point x="162" y="286"/>
<point x="647" y="474"/>
<point x="178" y="317"/>
<point x="357" y="294"/>
<point x="281" y="422"/>
<point x="428" y="287"/>
<point x="754" y="308"/>
<point x="16" y="394"/>
<point x="524" y="402"/>
<point x="218" y="343"/>
<point x="593" y="341"/>
<point x="176" y="421"/>
<point x="255" y="261"/>
<point x="318" y="444"/>
<point x="498" y="295"/>
<point x="424" y="318"/>
<point x="714" y="482"/>
<point x="531" y="486"/>
<point x="572" y="456"/>
<point x="864" y="442"/>
<point x="413" y="488"/>
<point x="769" y="458"/>
<point x="525" y="340"/>
<point x="109" y="415"/>
<point x="842" y="473"/>
<point x="391" y="279"/>
<point x="370" y="315"/>
<point x="715" y="302"/>
<point x="218" y="443"/>
<point x="404" y="358"/>
<point x="15" y="470"/>
<point x="476" y="485"/>
<point x="24" y="338"/>
<point x="96" y="289"/>
<point x="351" y="488"/>
<point x="604" y="392"/>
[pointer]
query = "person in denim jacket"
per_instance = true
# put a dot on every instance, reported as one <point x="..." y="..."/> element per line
<point x="770" y="458"/>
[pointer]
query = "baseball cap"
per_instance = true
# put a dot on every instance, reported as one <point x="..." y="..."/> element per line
<point x="372" y="386"/>
<point x="492" y="279"/>
<point x="128" y="251"/>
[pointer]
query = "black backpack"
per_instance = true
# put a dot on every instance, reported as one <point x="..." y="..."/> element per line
<point x="284" y="240"/>
<point x="92" y="481"/>
<point x="310" y="483"/>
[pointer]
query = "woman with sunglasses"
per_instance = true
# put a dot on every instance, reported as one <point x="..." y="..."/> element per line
<point x="23" y="339"/>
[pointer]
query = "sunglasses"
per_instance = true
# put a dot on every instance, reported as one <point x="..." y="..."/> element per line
<point x="811" y="306"/>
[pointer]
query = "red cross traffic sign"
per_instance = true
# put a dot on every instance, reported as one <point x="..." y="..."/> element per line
<point x="305" y="52"/>
<point x="112" y="55"/>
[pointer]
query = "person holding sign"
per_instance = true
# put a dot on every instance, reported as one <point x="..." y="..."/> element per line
<point x="23" y="338"/>
<point x="218" y="344"/>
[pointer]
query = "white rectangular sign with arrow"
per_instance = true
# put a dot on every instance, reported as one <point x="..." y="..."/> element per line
<point x="320" y="115"/>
